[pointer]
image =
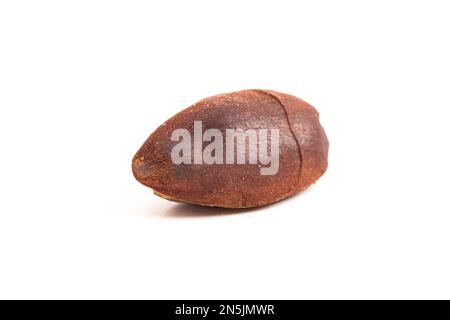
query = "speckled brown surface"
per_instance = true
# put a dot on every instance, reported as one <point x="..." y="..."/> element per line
<point x="303" y="152"/>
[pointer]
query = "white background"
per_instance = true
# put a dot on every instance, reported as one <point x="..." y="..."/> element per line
<point x="83" y="83"/>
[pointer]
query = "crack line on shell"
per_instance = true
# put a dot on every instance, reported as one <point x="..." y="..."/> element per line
<point x="243" y="202"/>
<point x="290" y="128"/>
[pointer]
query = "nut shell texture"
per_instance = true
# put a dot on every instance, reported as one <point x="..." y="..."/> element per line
<point x="302" y="159"/>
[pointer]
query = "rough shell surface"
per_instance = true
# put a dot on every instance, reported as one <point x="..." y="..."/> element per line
<point x="303" y="152"/>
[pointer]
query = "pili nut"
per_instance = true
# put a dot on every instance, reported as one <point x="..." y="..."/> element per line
<point x="236" y="150"/>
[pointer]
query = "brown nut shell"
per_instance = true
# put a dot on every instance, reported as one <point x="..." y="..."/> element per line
<point x="303" y="152"/>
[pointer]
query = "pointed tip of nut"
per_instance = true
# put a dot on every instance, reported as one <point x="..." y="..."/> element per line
<point x="148" y="170"/>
